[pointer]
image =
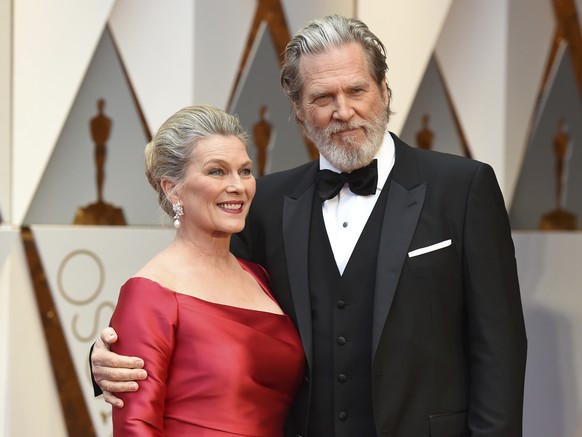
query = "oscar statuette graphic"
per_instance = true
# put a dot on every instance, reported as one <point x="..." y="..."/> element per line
<point x="559" y="218"/>
<point x="100" y="212"/>
<point x="424" y="136"/>
<point x="262" y="136"/>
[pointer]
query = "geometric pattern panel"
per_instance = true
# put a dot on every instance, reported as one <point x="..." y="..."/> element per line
<point x="70" y="178"/>
<point x="431" y="121"/>
<point x="551" y="173"/>
<point x="299" y="12"/>
<point x="156" y="42"/>
<point x="52" y="43"/>
<point x="265" y="111"/>
<point x="8" y="240"/>
<point x="527" y="58"/>
<point x="216" y="61"/>
<point x="550" y="278"/>
<point x="85" y="267"/>
<point x="410" y="31"/>
<point x="471" y="51"/>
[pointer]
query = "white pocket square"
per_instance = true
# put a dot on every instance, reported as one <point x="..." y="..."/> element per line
<point x="430" y="248"/>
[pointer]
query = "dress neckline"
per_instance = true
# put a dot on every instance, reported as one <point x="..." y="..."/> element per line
<point x="217" y="304"/>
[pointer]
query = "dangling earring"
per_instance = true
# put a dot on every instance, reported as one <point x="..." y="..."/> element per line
<point x="178" y="212"/>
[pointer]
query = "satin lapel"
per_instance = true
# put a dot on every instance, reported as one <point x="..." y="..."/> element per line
<point x="296" y="219"/>
<point x="401" y="216"/>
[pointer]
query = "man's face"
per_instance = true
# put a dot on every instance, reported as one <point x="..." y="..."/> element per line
<point x="342" y="108"/>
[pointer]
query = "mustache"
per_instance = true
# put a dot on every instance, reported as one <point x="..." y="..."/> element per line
<point x="340" y="127"/>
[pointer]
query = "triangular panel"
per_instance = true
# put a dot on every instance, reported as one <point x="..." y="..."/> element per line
<point x="53" y="44"/>
<point x="214" y="75"/>
<point x="7" y="238"/>
<point x="156" y="42"/>
<point x="410" y="31"/>
<point x="535" y="193"/>
<point x="431" y="122"/>
<point x="258" y="88"/>
<point x="69" y="181"/>
<point x="85" y="268"/>
<point x="300" y="12"/>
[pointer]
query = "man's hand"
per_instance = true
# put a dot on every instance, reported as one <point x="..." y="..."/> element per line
<point x="115" y="373"/>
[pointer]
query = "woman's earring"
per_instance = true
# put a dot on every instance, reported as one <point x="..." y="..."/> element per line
<point x="178" y="212"/>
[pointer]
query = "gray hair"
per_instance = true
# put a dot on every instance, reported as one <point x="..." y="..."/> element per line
<point x="169" y="152"/>
<point x="321" y="35"/>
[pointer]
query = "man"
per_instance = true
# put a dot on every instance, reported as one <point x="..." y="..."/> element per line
<point x="405" y="294"/>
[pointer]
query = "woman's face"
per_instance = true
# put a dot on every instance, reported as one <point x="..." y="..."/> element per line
<point x="218" y="188"/>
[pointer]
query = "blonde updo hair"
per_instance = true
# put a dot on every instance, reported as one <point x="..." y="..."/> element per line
<point x="169" y="152"/>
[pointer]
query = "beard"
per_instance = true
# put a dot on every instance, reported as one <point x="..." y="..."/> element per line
<point x="348" y="154"/>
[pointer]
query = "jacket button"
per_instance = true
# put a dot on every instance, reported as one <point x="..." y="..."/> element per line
<point x="342" y="415"/>
<point x="342" y="377"/>
<point x="340" y="304"/>
<point x="341" y="340"/>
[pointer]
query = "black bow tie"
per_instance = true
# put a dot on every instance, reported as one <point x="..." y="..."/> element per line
<point x="362" y="181"/>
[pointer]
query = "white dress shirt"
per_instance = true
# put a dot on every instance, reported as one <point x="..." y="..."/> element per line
<point x="346" y="214"/>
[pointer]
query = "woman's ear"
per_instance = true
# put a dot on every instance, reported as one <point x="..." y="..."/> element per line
<point x="169" y="189"/>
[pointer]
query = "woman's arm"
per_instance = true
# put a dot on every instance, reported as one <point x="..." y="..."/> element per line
<point x="145" y="320"/>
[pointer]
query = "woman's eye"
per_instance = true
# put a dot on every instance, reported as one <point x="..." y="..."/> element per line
<point x="216" y="172"/>
<point x="246" y="172"/>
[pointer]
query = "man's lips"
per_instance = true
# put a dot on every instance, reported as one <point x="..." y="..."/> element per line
<point x="348" y="132"/>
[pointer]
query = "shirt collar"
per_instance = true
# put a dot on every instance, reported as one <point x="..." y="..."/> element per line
<point x="385" y="157"/>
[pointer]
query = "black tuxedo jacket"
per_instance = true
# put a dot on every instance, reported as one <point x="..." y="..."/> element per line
<point x="448" y="343"/>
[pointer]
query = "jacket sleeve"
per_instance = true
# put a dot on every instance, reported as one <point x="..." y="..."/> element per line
<point x="496" y="329"/>
<point x="145" y="319"/>
<point x="96" y="389"/>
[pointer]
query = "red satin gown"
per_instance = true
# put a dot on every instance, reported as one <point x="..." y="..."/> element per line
<point x="213" y="370"/>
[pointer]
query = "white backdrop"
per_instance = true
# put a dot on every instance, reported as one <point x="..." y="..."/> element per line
<point x="181" y="52"/>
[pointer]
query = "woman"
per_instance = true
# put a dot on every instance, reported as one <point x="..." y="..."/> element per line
<point x="221" y="356"/>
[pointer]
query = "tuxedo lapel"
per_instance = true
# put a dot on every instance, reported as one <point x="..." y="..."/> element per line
<point x="296" y="219"/>
<point x="403" y="207"/>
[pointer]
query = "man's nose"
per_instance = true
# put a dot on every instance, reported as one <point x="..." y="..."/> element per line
<point x="343" y="108"/>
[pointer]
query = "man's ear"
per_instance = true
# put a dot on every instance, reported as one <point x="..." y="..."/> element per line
<point x="385" y="92"/>
<point x="298" y="113"/>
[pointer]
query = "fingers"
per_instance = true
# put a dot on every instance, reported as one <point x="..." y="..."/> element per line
<point x="109" y="365"/>
<point x="116" y="379"/>
<point x="102" y="357"/>
<point x="112" y="372"/>
<point x="113" y="400"/>
<point x="119" y="377"/>
<point x="108" y="336"/>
